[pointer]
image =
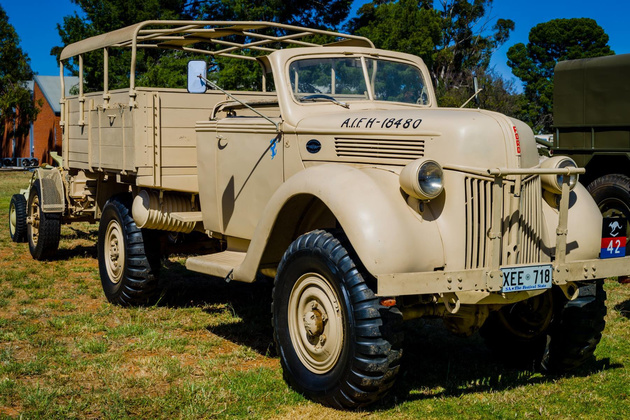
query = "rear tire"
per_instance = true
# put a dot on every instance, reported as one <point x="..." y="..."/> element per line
<point x="549" y="331"/>
<point x="337" y="344"/>
<point x="128" y="257"/>
<point x="612" y="194"/>
<point x="17" y="218"/>
<point x="43" y="229"/>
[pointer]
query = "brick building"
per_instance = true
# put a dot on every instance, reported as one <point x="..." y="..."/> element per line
<point x="45" y="134"/>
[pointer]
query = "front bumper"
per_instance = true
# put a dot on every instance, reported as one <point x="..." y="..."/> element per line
<point x="476" y="286"/>
<point x="483" y="285"/>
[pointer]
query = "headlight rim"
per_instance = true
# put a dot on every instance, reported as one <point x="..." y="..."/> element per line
<point x="410" y="179"/>
<point x="550" y="181"/>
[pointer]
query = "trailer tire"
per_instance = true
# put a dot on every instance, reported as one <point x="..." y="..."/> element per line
<point x="337" y="344"/>
<point x="43" y="229"/>
<point x="612" y="194"/>
<point x="550" y="332"/>
<point x="17" y="218"/>
<point x="128" y="257"/>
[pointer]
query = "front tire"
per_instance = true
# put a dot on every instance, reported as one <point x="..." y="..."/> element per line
<point x="43" y="229"/>
<point x="128" y="258"/>
<point x="337" y="344"/>
<point x="549" y="331"/>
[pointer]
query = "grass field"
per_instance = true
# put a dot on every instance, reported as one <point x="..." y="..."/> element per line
<point x="206" y="352"/>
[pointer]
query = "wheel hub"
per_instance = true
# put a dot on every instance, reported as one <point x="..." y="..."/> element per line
<point x="114" y="252"/>
<point x="314" y="320"/>
<point x="12" y="219"/>
<point x="316" y="323"/>
<point x="34" y="218"/>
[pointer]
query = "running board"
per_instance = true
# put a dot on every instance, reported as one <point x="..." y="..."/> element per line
<point x="188" y="216"/>
<point x="221" y="264"/>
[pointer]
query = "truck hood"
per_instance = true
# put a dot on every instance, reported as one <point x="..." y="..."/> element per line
<point x="464" y="137"/>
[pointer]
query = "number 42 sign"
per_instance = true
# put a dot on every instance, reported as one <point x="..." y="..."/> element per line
<point x="613" y="238"/>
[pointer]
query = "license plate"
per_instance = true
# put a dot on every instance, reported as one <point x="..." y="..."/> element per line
<point x="532" y="277"/>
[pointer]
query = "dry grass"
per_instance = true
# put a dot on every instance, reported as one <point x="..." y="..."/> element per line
<point x="205" y="352"/>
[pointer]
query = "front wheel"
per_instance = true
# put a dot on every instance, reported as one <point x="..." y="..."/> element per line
<point x="554" y="333"/>
<point x="338" y="345"/>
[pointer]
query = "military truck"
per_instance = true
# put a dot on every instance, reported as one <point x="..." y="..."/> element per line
<point x="367" y="203"/>
<point x="592" y="126"/>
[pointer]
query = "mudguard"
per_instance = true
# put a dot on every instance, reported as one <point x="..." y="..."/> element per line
<point x="51" y="183"/>
<point x="387" y="235"/>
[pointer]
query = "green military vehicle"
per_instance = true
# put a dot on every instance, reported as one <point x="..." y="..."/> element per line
<point x="344" y="181"/>
<point x="591" y="114"/>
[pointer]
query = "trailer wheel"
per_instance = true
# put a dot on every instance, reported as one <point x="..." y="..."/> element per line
<point x="549" y="331"/>
<point x="612" y="194"/>
<point x="17" y="218"/>
<point x="128" y="260"/>
<point x="43" y="229"/>
<point x="337" y="344"/>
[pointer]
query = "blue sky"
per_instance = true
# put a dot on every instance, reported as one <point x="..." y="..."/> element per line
<point x="35" y="22"/>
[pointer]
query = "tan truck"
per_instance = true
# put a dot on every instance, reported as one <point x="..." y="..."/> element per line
<point x="367" y="203"/>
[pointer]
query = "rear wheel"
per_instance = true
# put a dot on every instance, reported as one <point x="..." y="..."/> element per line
<point x="17" y="218"/>
<point x="550" y="331"/>
<point x="128" y="257"/>
<point x="612" y="195"/>
<point x="43" y="229"/>
<point x="338" y="345"/>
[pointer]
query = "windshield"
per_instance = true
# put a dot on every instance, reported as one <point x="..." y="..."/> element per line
<point x="348" y="79"/>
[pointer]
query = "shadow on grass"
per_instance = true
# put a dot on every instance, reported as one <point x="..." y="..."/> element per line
<point x="438" y="364"/>
<point x="623" y="308"/>
<point x="90" y="235"/>
<point x="249" y="302"/>
<point x="76" y="251"/>
<point x="435" y="362"/>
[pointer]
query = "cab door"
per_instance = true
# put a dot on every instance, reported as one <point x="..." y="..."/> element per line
<point x="249" y="169"/>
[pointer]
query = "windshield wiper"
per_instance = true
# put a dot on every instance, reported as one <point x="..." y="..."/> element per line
<point x="315" y="98"/>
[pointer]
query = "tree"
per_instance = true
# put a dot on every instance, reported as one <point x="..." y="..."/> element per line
<point x="17" y="107"/>
<point x="455" y="40"/>
<point x="550" y="42"/>
<point x="496" y="94"/>
<point x="156" y="68"/>
<point x="323" y="14"/>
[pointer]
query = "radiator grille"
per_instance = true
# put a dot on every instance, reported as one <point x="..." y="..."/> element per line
<point x="379" y="149"/>
<point x="530" y="222"/>
<point x="478" y="221"/>
<point x="479" y="198"/>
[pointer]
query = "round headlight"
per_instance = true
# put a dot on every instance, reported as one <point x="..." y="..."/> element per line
<point x="567" y="163"/>
<point x="422" y="179"/>
<point x="553" y="183"/>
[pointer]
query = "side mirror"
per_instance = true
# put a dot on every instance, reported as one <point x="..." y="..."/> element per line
<point x="195" y="83"/>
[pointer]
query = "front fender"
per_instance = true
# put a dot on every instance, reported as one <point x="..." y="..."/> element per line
<point x="584" y="226"/>
<point x="387" y="235"/>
